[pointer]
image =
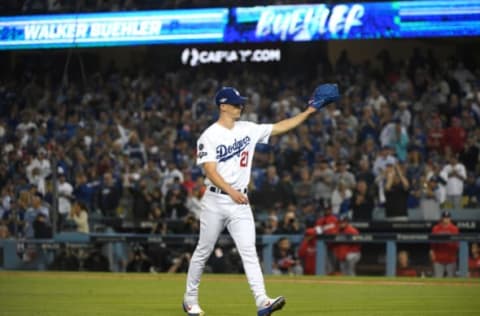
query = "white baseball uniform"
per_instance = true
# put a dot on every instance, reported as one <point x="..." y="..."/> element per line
<point x="233" y="150"/>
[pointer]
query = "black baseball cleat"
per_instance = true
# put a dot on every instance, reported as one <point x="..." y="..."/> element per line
<point x="272" y="305"/>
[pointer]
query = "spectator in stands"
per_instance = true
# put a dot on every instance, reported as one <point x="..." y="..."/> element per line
<point x="65" y="191"/>
<point x="175" y="201"/>
<point x="444" y="255"/>
<point x="323" y="178"/>
<point x="170" y="175"/>
<point x="386" y="118"/>
<point x="304" y="188"/>
<point x="473" y="261"/>
<point x="285" y="260"/>
<point x="403" y="265"/>
<point x="418" y="142"/>
<point x="375" y="98"/>
<point x="415" y="166"/>
<point x="38" y="206"/>
<point x="38" y="170"/>
<point x="79" y="215"/>
<point x="368" y="151"/>
<point x="84" y="190"/>
<point x="403" y="115"/>
<point x="290" y="224"/>
<point x="343" y="175"/>
<point x="269" y="190"/>
<point x="470" y="154"/>
<point x="29" y="214"/>
<point x="108" y="195"/>
<point x="435" y="135"/>
<point x="362" y="202"/>
<point x="363" y="173"/>
<point x="471" y="192"/>
<point x="341" y="199"/>
<point x="369" y="125"/>
<point x="396" y="192"/>
<point x="193" y="202"/>
<point x="430" y="198"/>
<point x="347" y="254"/>
<point x="287" y="190"/>
<point x="14" y="219"/>
<point x="4" y="233"/>
<point x="455" y="173"/>
<point x="383" y="158"/>
<point x="399" y="140"/>
<point x="142" y="200"/>
<point x="271" y="226"/>
<point x="455" y="136"/>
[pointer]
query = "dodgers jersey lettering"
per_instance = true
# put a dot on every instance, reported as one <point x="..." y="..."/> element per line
<point x="232" y="149"/>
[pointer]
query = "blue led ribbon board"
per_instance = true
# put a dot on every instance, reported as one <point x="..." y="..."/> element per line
<point x="113" y="29"/>
<point x="370" y="20"/>
<point x="312" y="22"/>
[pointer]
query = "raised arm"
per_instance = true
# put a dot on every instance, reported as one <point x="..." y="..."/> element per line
<point x="290" y="123"/>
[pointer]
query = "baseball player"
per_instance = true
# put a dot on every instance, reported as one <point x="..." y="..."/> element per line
<point x="225" y="151"/>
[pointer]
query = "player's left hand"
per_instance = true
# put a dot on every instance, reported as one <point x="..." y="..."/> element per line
<point x="239" y="197"/>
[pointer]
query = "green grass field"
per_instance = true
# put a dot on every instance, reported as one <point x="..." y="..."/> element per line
<point x="88" y="294"/>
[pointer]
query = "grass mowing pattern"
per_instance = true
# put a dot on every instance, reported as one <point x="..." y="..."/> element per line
<point x="92" y="294"/>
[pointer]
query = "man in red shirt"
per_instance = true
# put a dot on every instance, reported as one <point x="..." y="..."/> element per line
<point x="307" y="251"/>
<point x="436" y="135"/>
<point x="455" y="136"/>
<point x="444" y="255"/>
<point x="348" y="254"/>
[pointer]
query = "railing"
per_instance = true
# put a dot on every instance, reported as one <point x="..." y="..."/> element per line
<point x="391" y="240"/>
<point x="11" y="260"/>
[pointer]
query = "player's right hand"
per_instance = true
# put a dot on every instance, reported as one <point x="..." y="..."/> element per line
<point x="239" y="197"/>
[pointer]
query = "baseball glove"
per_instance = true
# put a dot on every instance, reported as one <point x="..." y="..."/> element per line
<point x="324" y="94"/>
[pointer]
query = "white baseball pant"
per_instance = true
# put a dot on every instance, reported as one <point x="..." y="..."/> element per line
<point x="219" y="211"/>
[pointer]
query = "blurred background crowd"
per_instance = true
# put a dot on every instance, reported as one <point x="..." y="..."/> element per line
<point x="113" y="149"/>
<point x="121" y="145"/>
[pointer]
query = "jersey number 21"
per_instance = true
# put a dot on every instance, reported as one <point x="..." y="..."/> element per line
<point x="244" y="159"/>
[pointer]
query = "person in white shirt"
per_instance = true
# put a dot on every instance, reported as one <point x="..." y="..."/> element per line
<point x="375" y="99"/>
<point x="38" y="170"/>
<point x="384" y="157"/>
<point x="65" y="191"/>
<point x="169" y="175"/>
<point x="456" y="174"/>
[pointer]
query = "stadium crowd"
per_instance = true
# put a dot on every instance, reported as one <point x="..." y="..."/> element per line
<point x="120" y="146"/>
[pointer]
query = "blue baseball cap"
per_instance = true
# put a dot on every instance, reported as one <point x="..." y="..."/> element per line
<point x="229" y="95"/>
